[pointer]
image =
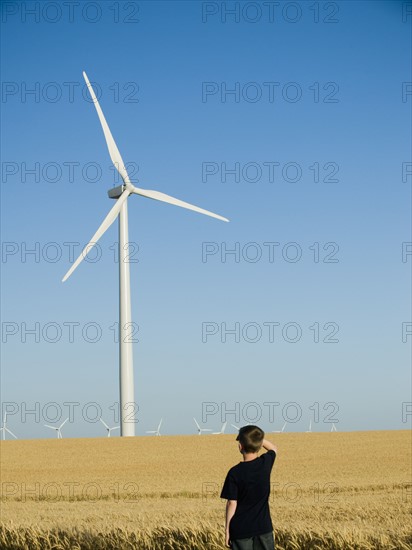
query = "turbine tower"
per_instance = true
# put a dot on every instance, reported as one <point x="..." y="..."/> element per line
<point x="121" y="193"/>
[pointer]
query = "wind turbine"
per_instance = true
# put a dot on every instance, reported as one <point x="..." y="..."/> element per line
<point x="5" y="429"/>
<point x="310" y="428"/>
<point x="280" y="431"/>
<point x="199" y="429"/>
<point x="222" y="431"/>
<point x="121" y="193"/>
<point x="107" y="427"/>
<point x="333" y="429"/>
<point x="156" y="432"/>
<point x="58" y="429"/>
<point x="236" y="428"/>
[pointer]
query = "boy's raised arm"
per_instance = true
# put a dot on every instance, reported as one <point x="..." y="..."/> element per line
<point x="268" y="446"/>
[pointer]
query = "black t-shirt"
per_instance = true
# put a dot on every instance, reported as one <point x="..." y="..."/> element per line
<point x="249" y="484"/>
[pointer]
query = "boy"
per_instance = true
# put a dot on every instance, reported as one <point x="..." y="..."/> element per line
<point x="247" y="489"/>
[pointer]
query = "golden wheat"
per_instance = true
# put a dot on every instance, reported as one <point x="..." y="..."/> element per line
<point x="329" y="490"/>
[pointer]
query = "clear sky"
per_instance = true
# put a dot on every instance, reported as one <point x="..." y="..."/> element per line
<point x="292" y="119"/>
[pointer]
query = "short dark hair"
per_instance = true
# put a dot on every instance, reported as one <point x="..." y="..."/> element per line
<point x="251" y="438"/>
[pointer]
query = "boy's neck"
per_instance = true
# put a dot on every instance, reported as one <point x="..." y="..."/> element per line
<point x="247" y="457"/>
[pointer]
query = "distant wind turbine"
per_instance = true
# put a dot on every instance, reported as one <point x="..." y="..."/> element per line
<point x="333" y="429"/>
<point x="109" y="430"/>
<point x="199" y="429"/>
<point x="310" y="428"/>
<point x="156" y="432"/>
<point x="222" y="431"/>
<point x="58" y="429"/>
<point x="122" y="193"/>
<point x="280" y="431"/>
<point x="5" y="429"/>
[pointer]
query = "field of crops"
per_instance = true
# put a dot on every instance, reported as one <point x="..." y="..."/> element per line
<point x="329" y="490"/>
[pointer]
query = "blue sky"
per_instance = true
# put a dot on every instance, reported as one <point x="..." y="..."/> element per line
<point x="298" y="131"/>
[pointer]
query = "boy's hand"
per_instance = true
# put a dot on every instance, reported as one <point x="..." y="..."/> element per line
<point x="230" y="511"/>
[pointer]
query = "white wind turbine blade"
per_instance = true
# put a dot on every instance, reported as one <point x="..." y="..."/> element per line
<point x="158" y="196"/>
<point x="11" y="433"/>
<point x="198" y="427"/>
<point x="107" y="222"/>
<point x="51" y="427"/>
<point x="222" y="430"/>
<point x="61" y="425"/>
<point x="160" y="423"/>
<point x="104" y="423"/>
<point x="111" y="144"/>
<point x="236" y="428"/>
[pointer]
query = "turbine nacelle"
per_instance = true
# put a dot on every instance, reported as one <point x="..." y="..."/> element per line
<point x="116" y="192"/>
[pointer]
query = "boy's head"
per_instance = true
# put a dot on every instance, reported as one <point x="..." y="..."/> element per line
<point x="250" y="439"/>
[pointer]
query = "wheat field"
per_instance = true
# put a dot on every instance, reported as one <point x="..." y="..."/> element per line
<point x="329" y="490"/>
